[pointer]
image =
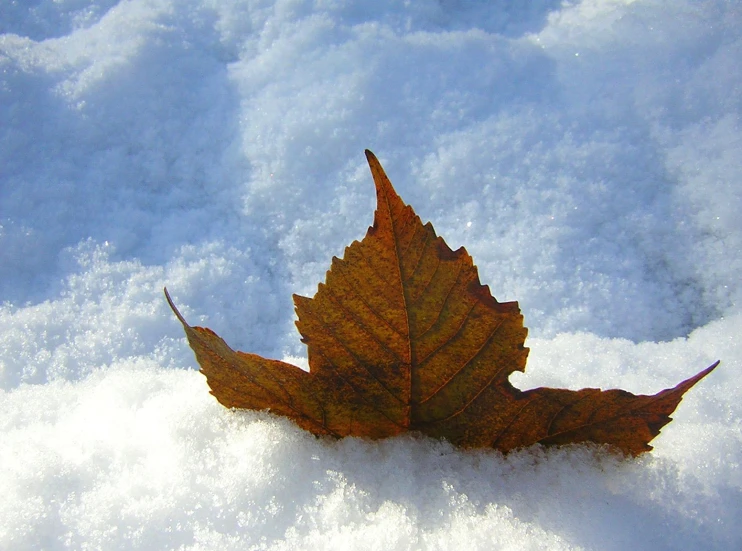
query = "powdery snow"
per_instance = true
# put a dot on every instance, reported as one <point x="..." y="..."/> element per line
<point x="586" y="154"/>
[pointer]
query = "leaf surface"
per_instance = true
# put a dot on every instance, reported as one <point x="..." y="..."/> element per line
<point x="403" y="336"/>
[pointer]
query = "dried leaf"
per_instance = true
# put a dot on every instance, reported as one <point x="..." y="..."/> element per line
<point x="403" y="336"/>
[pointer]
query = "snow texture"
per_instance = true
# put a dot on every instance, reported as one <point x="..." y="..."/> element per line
<point x="588" y="155"/>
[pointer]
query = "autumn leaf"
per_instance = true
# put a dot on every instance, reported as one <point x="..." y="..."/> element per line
<point x="402" y="336"/>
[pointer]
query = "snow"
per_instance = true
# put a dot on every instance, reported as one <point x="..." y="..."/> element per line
<point x="587" y="154"/>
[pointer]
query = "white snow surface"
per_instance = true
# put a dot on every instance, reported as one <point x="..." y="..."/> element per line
<point x="587" y="154"/>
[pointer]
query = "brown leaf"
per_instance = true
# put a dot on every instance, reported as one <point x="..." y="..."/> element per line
<point x="403" y="336"/>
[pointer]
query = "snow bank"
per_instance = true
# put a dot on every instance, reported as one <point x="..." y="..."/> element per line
<point x="586" y="154"/>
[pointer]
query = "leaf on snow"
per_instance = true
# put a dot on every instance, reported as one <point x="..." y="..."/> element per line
<point x="403" y="336"/>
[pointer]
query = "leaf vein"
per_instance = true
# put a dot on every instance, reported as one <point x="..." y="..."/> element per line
<point x="464" y="365"/>
<point x="329" y="333"/>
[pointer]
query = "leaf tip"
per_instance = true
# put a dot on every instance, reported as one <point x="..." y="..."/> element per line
<point x="693" y="380"/>
<point x="175" y="310"/>
<point x="381" y="180"/>
<point x="388" y="202"/>
<point x="682" y="387"/>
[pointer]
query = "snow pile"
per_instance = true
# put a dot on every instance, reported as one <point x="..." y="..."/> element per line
<point x="586" y="154"/>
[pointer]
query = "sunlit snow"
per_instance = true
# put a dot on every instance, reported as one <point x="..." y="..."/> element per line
<point x="587" y="154"/>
